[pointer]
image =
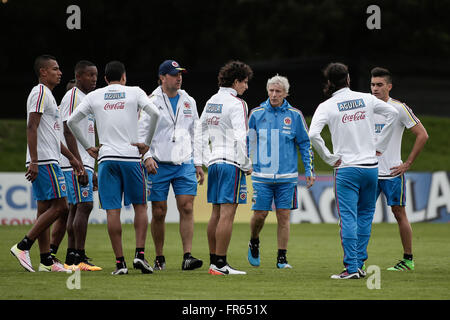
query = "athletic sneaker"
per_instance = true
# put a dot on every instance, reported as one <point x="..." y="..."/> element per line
<point x="23" y="256"/>
<point x="253" y="254"/>
<point x="345" y="275"/>
<point x="160" y="263"/>
<point x="362" y="271"/>
<point x="119" y="271"/>
<point x="403" y="265"/>
<point x="191" y="263"/>
<point x="227" y="269"/>
<point x="87" y="266"/>
<point x="142" y="265"/>
<point x="55" y="267"/>
<point x="282" y="263"/>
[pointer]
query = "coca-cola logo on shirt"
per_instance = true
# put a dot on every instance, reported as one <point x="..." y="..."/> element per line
<point x="360" y="115"/>
<point x="114" y="106"/>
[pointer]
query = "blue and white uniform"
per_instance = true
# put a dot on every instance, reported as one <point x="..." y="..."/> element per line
<point x="77" y="193"/>
<point x="172" y="145"/>
<point x="394" y="188"/>
<point x="221" y="144"/>
<point x="50" y="183"/>
<point x="350" y="118"/>
<point x="116" y="109"/>
<point x="274" y="135"/>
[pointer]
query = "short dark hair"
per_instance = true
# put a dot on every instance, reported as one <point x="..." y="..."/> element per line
<point x="336" y="73"/>
<point x="41" y="62"/>
<point x="81" y="65"/>
<point x="382" y="72"/>
<point x="114" y="71"/>
<point x="234" y="70"/>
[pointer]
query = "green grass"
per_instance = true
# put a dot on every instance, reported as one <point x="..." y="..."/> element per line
<point x="434" y="157"/>
<point x="314" y="251"/>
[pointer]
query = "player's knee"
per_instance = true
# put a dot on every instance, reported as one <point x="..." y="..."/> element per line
<point x="158" y="213"/>
<point x="85" y="207"/>
<point x="399" y="212"/>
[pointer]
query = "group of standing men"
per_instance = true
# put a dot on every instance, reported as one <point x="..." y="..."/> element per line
<point x="147" y="143"/>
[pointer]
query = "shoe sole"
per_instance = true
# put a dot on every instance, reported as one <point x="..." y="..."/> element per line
<point x="25" y="266"/>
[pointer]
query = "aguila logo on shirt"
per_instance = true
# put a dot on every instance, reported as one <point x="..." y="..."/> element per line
<point x="287" y="121"/>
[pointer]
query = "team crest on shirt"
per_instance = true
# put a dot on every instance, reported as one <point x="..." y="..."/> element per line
<point x="287" y="121"/>
<point x="84" y="193"/>
<point x="63" y="187"/>
<point x="187" y="109"/>
<point x="243" y="195"/>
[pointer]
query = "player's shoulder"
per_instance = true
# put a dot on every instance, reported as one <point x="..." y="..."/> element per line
<point x="185" y="95"/>
<point x="257" y="110"/>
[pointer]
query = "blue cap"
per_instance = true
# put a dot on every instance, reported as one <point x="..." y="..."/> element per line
<point x="170" y="67"/>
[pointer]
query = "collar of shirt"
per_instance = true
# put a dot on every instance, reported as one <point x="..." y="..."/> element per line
<point x="228" y="90"/>
<point x="269" y="107"/>
<point x="341" y="91"/>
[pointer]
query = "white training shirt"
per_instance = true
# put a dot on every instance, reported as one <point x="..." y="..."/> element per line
<point x="115" y="109"/>
<point x="174" y="137"/>
<point x="221" y="133"/>
<point x="69" y="103"/>
<point x="392" y="155"/>
<point x="41" y="100"/>
<point x="350" y="118"/>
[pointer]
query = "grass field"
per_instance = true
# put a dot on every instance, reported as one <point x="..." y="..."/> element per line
<point x="314" y="252"/>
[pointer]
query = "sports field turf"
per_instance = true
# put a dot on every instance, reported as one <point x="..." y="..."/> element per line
<point x="314" y="252"/>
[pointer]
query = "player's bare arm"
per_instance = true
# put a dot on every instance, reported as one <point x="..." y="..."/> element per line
<point x="77" y="166"/>
<point x="421" y="138"/>
<point x="73" y="147"/>
<point x="32" y="125"/>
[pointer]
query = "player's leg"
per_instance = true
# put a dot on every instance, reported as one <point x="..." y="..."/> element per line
<point x="366" y="210"/>
<point x="211" y="232"/>
<point x="185" y="189"/>
<point x="346" y="195"/>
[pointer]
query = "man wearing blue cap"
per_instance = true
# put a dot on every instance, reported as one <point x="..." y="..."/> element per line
<point x="171" y="157"/>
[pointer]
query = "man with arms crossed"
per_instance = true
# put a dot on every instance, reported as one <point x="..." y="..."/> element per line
<point x="116" y="108"/>
<point x="43" y="170"/>
<point x="171" y="151"/>
<point x="391" y="170"/>
<point x="223" y="128"/>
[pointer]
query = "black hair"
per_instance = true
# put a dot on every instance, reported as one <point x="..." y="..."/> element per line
<point x="114" y="71"/>
<point x="234" y="70"/>
<point x="382" y="72"/>
<point x="41" y="62"/>
<point x="81" y="65"/>
<point x="336" y="74"/>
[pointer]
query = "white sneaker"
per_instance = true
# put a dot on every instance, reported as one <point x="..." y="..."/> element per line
<point x="23" y="256"/>
<point x="120" y="271"/>
<point x="227" y="269"/>
<point x="55" y="267"/>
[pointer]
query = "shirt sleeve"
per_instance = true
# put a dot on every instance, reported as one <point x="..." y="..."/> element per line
<point x="37" y="100"/>
<point x="252" y="139"/>
<point x="407" y="117"/>
<point x="304" y="145"/>
<point x="391" y="114"/>
<point x="238" y="117"/>
<point x="201" y="141"/>
<point x="82" y="111"/>
<point x="318" y="122"/>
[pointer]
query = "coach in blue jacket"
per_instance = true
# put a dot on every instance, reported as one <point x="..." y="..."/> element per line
<point x="276" y="129"/>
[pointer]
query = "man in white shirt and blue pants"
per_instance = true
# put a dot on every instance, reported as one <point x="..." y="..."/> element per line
<point x="350" y="118"/>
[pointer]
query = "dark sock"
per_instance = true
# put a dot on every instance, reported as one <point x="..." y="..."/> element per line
<point x="254" y="241"/>
<point x="282" y="254"/>
<point x="53" y="249"/>
<point x="407" y="256"/>
<point x="80" y="256"/>
<point x="186" y="255"/>
<point x="139" y="253"/>
<point x="120" y="262"/>
<point x="221" y="261"/>
<point x="212" y="258"/>
<point x="46" y="259"/>
<point x="160" y="258"/>
<point x="70" y="256"/>
<point x="25" y="244"/>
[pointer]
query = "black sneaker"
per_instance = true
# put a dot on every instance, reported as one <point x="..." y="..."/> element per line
<point x="160" y="263"/>
<point x="191" y="263"/>
<point x="142" y="265"/>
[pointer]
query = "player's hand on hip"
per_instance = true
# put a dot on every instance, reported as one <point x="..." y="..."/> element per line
<point x="32" y="172"/>
<point x="142" y="147"/>
<point x="399" y="170"/>
<point x="77" y="166"/>
<point x="337" y="163"/>
<point x="151" y="165"/>
<point x="83" y="179"/>
<point x="310" y="181"/>
<point x="200" y="174"/>
<point x="93" y="152"/>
